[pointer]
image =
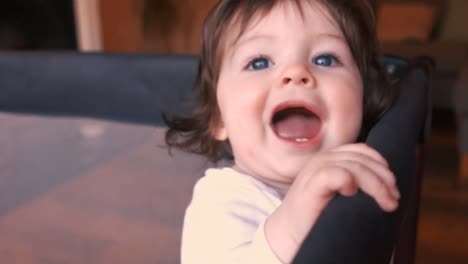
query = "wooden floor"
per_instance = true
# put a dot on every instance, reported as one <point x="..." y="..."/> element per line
<point x="81" y="191"/>
<point x="443" y="225"/>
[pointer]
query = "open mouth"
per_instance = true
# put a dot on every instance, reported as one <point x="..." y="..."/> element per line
<point x="297" y="123"/>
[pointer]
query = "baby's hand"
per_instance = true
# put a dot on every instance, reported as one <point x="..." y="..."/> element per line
<point x="342" y="170"/>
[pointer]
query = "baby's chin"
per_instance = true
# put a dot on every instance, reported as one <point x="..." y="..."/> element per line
<point x="284" y="173"/>
<point x="290" y="166"/>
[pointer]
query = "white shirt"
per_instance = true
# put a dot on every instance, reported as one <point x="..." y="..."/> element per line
<point x="224" y="222"/>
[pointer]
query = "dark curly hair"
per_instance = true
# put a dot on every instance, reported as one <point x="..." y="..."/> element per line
<point x="357" y="22"/>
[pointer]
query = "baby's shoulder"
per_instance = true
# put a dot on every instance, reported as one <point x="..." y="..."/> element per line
<point x="224" y="180"/>
<point x="226" y="184"/>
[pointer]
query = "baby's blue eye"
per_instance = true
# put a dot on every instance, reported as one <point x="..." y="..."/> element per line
<point x="325" y="60"/>
<point x="259" y="64"/>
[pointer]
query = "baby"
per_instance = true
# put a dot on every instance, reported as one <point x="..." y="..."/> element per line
<point x="286" y="89"/>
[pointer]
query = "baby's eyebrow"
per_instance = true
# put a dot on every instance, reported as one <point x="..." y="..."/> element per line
<point x="235" y="45"/>
<point x="339" y="38"/>
<point x="242" y="41"/>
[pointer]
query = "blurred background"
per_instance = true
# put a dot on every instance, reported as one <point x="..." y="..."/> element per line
<point x="58" y="201"/>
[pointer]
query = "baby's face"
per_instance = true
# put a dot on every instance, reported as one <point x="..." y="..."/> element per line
<point x="288" y="88"/>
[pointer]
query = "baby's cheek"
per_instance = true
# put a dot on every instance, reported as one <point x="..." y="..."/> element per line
<point x="250" y="153"/>
<point x="242" y="149"/>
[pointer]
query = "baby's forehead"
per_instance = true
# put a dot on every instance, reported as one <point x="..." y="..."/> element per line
<point x="246" y="19"/>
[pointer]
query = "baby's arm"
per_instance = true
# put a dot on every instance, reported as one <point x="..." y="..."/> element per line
<point x="342" y="170"/>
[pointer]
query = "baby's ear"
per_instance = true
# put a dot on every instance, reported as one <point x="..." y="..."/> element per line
<point x="217" y="130"/>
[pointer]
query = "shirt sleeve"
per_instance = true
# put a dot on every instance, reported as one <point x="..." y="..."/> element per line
<point x="222" y="225"/>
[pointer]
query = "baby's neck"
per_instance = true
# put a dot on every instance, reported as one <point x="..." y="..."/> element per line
<point x="280" y="187"/>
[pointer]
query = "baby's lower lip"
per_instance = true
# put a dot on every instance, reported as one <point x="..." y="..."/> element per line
<point x="301" y="142"/>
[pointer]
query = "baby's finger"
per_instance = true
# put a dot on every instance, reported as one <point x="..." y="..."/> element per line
<point x="386" y="176"/>
<point x="363" y="149"/>
<point x="340" y="180"/>
<point x="378" y="168"/>
<point x="371" y="184"/>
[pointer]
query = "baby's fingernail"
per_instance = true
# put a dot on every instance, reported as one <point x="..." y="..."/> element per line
<point x="396" y="193"/>
<point x="393" y="205"/>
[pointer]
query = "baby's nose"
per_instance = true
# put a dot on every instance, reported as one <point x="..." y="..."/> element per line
<point x="297" y="75"/>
